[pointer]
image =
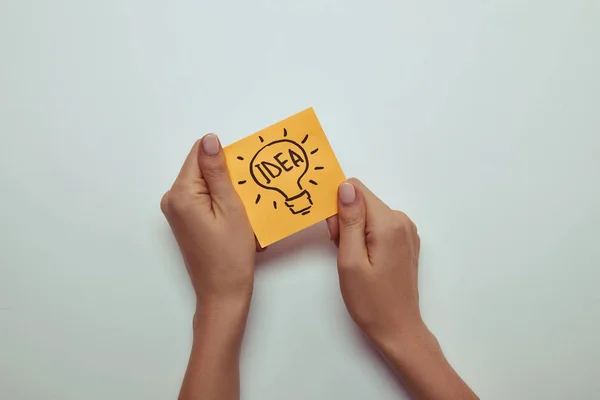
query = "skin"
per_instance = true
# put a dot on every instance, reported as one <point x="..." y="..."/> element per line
<point x="377" y="263"/>
<point x="218" y="247"/>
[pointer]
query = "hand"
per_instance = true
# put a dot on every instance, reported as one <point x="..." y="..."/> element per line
<point x="211" y="227"/>
<point x="377" y="263"/>
<point x="218" y="246"/>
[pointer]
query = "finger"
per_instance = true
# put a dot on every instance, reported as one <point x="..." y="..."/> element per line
<point x="377" y="210"/>
<point x="190" y="171"/>
<point x="213" y="168"/>
<point x="333" y="226"/>
<point x="352" y="218"/>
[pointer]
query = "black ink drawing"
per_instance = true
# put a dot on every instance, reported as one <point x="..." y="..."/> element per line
<point x="283" y="157"/>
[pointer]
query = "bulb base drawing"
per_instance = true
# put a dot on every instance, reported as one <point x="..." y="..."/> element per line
<point x="300" y="203"/>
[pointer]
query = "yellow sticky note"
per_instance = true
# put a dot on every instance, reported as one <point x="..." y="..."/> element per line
<point x="286" y="175"/>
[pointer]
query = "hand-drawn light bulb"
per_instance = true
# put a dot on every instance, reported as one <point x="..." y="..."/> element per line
<point x="280" y="166"/>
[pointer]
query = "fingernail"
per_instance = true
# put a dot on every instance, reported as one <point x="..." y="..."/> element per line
<point x="211" y="144"/>
<point x="347" y="193"/>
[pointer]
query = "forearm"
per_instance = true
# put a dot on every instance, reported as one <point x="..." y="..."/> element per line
<point x="419" y="362"/>
<point x="213" y="369"/>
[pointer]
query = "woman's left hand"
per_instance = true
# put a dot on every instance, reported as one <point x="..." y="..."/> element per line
<point x="211" y="226"/>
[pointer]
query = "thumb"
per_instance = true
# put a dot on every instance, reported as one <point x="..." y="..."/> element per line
<point x="213" y="169"/>
<point x="352" y="216"/>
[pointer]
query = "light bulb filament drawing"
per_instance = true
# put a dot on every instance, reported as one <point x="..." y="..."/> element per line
<point x="281" y="166"/>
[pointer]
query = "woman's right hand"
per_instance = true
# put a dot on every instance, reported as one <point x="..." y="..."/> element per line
<point x="378" y="258"/>
<point x="377" y="262"/>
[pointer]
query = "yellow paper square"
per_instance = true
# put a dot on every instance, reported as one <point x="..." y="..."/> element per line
<point x="286" y="175"/>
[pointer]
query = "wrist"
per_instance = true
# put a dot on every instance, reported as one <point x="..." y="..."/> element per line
<point x="214" y="312"/>
<point x="408" y="345"/>
<point x="417" y="359"/>
<point x="218" y="329"/>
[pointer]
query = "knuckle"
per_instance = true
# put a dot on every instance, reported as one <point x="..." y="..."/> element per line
<point x="178" y="200"/>
<point x="409" y="222"/>
<point x="215" y="170"/>
<point x="352" y="220"/>
<point x="355" y="181"/>
<point x="400" y="215"/>
<point x="164" y="201"/>
<point x="400" y="222"/>
<point x="402" y="227"/>
<point x="397" y="223"/>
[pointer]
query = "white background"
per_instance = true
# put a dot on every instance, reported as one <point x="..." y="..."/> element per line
<point x="480" y="119"/>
